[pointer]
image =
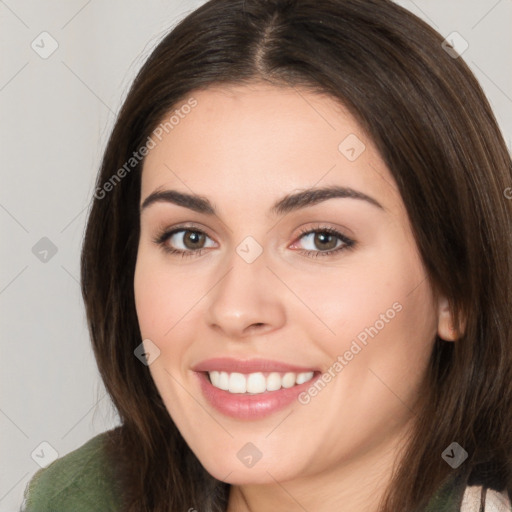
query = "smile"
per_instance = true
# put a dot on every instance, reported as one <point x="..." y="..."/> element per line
<point x="256" y="383"/>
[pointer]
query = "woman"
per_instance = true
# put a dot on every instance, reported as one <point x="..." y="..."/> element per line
<point x="297" y="275"/>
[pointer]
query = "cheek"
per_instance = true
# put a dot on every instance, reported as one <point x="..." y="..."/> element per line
<point x="377" y="312"/>
<point x="151" y="294"/>
<point x="161" y="302"/>
<point x="352" y="297"/>
<point x="163" y="296"/>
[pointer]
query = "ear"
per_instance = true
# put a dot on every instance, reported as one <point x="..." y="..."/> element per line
<point x="445" y="325"/>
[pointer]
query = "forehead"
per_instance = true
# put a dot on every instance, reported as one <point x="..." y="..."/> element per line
<point x="260" y="141"/>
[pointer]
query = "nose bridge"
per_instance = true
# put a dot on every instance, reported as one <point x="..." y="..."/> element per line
<point x="245" y="297"/>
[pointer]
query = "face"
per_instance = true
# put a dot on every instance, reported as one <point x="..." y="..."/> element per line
<point x="279" y="285"/>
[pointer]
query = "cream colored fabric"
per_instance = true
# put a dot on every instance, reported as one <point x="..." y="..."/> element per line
<point x="494" y="501"/>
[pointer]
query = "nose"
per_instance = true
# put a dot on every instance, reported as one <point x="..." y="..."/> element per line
<point x="247" y="300"/>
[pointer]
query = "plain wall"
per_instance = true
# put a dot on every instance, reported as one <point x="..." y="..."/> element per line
<point x="56" y="115"/>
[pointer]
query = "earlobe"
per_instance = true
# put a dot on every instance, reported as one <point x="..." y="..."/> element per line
<point x="445" y="323"/>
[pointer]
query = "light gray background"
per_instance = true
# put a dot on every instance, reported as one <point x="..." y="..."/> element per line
<point x="56" y="114"/>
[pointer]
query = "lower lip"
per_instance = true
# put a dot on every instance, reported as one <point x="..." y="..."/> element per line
<point x="250" y="407"/>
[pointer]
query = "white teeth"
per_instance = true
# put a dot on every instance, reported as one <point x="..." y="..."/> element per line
<point x="288" y="380"/>
<point x="237" y="383"/>
<point x="214" y="378"/>
<point x="304" y="377"/>
<point x="255" y="383"/>
<point x="273" y="381"/>
<point x="220" y="380"/>
<point x="223" y="381"/>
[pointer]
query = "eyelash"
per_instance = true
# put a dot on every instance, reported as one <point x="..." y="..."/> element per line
<point x="163" y="236"/>
<point x="348" y="243"/>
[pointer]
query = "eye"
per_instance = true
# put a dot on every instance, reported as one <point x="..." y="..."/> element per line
<point x="188" y="241"/>
<point x="184" y="241"/>
<point x="323" y="241"/>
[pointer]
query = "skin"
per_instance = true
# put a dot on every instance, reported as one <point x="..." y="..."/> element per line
<point x="244" y="148"/>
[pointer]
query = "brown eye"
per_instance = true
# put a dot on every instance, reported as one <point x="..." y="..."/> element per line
<point x="184" y="241"/>
<point x="193" y="239"/>
<point x="325" y="241"/>
<point x="322" y="242"/>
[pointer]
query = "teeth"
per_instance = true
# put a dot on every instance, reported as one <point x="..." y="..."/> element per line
<point x="237" y="383"/>
<point x="303" y="377"/>
<point x="288" y="380"/>
<point x="273" y="382"/>
<point x="223" y="381"/>
<point x="255" y="383"/>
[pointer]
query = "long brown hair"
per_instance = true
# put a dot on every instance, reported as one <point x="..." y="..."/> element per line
<point x="437" y="134"/>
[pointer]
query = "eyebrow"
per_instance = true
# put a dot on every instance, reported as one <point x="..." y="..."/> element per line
<point x="288" y="203"/>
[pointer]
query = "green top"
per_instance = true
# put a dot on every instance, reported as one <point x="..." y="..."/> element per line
<point x="83" y="481"/>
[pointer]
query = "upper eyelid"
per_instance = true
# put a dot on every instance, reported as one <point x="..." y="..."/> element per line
<point x="185" y="227"/>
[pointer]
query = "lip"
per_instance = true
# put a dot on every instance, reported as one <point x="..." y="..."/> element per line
<point x="229" y="364"/>
<point x="245" y="406"/>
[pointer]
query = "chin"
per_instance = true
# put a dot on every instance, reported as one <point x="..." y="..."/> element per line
<point x="260" y="473"/>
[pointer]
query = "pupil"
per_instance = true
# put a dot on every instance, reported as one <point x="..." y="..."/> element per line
<point x="323" y="239"/>
<point x="192" y="238"/>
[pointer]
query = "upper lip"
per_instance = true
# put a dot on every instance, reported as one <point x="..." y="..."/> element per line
<point x="228" y="364"/>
